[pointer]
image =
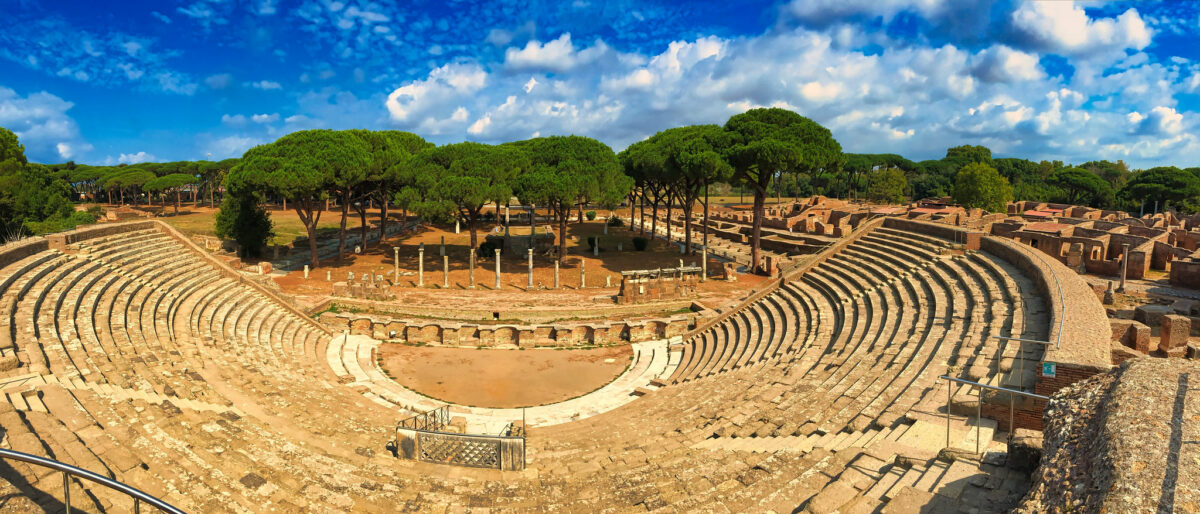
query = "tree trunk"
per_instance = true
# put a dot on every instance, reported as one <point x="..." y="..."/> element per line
<point x="311" y="227"/>
<point x="581" y="213"/>
<point x="705" y="216"/>
<point x="383" y="212"/>
<point x="687" y="226"/>
<point x="670" y="201"/>
<point x="362" y="218"/>
<point x="342" y="231"/>
<point x="211" y="197"/>
<point x="471" y="228"/>
<point x="642" y="218"/>
<point x="562" y="234"/>
<point x="177" y="193"/>
<point x="760" y="195"/>
<point x="654" y="218"/>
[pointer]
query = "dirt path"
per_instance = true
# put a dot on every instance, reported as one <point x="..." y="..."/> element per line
<point x="503" y="378"/>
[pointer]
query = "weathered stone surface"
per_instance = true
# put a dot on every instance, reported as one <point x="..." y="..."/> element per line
<point x="1175" y="332"/>
<point x="1151" y="315"/>
<point x="1024" y="449"/>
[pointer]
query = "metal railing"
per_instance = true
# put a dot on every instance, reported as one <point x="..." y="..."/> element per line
<point x="432" y="420"/>
<point x="69" y="471"/>
<point x="979" y="405"/>
<point x="1062" y="300"/>
<point x="1020" y="354"/>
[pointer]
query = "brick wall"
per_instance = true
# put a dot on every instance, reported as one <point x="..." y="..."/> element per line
<point x="1065" y="375"/>
<point x="1030" y="417"/>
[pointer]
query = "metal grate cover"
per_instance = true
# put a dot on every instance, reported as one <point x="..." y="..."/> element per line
<point x="460" y="450"/>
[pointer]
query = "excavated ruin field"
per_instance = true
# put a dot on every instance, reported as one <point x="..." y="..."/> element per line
<point x="513" y="272"/>
<point x="502" y="378"/>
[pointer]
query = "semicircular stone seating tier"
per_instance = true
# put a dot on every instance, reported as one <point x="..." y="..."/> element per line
<point x="143" y="360"/>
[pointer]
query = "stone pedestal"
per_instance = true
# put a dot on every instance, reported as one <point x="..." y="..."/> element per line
<point x="305" y="271"/>
<point x="1175" y="332"/>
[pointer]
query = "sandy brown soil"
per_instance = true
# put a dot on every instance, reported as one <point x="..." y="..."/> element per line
<point x="513" y="271"/>
<point x="503" y="378"/>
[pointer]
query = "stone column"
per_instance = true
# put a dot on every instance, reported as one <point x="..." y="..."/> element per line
<point x="703" y="263"/>
<point x="456" y="226"/>
<point x="471" y="268"/>
<point x="328" y="276"/>
<point x="443" y="248"/>
<point x="445" y="272"/>
<point x="532" y="216"/>
<point x="305" y="271"/>
<point x="420" y="265"/>
<point x="582" y="274"/>
<point x="530" y="256"/>
<point x="596" y="248"/>
<point x="497" y="268"/>
<point x="396" y="265"/>
<point x="1124" y="266"/>
<point x="556" y="273"/>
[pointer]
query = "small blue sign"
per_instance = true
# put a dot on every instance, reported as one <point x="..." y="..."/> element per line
<point x="1049" y="369"/>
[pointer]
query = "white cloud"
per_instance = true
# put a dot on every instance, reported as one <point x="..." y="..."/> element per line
<point x="135" y="158"/>
<point x="423" y="101"/>
<point x="529" y="85"/>
<point x="557" y="55"/>
<point x="480" y="125"/>
<point x="1065" y="27"/>
<point x="236" y="120"/>
<point x="1003" y="64"/>
<point x="266" y="85"/>
<point x="229" y="146"/>
<point x="265" y="118"/>
<point x="218" y="81"/>
<point x="42" y="125"/>
<point x="826" y="11"/>
<point x="819" y="92"/>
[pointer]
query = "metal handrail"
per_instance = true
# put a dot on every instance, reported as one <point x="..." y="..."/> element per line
<point x="431" y="420"/>
<point x="68" y="471"/>
<point x="979" y="405"/>
<point x="1062" y="300"/>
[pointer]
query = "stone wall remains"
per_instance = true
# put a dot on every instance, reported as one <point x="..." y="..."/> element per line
<point x="525" y="336"/>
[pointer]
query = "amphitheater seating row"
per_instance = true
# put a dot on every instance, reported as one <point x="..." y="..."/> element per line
<point x="139" y="359"/>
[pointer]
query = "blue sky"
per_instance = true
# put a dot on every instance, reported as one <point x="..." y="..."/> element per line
<point x="196" y="79"/>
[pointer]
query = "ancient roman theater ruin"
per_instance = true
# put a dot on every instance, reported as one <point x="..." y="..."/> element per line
<point x="894" y="361"/>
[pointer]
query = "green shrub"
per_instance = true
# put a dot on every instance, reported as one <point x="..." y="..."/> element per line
<point x="82" y="218"/>
<point x="591" y="215"/>
<point x="58" y="223"/>
<point x="243" y="219"/>
<point x="614" y="221"/>
<point x="591" y="241"/>
<point x="96" y="211"/>
<point x="640" y="243"/>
